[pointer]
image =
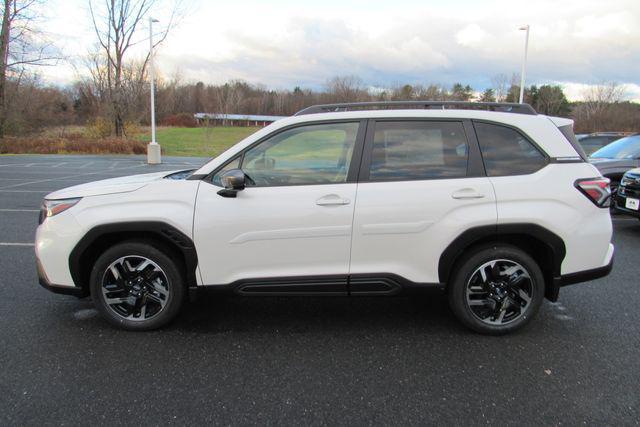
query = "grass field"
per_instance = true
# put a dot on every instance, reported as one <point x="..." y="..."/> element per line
<point x="205" y="142"/>
<point x="175" y="141"/>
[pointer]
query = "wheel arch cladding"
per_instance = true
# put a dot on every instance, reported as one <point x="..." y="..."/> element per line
<point x="544" y="246"/>
<point x="99" y="238"/>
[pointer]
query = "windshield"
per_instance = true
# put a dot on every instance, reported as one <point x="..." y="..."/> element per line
<point x="625" y="148"/>
<point x="181" y="174"/>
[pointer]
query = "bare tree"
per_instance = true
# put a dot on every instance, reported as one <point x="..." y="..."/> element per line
<point x="21" y="45"/>
<point x="117" y="24"/>
<point x="500" y="84"/>
<point x="598" y="108"/>
<point x="598" y="96"/>
<point x="346" y="89"/>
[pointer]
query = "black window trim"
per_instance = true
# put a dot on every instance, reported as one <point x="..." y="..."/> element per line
<point x="546" y="157"/>
<point x="475" y="166"/>
<point x="354" y="166"/>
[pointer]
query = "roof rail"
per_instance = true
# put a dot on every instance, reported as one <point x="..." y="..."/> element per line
<point x="504" y="107"/>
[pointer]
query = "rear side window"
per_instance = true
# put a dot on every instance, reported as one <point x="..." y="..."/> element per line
<point x="506" y="151"/>
<point x="567" y="131"/>
<point x="415" y="150"/>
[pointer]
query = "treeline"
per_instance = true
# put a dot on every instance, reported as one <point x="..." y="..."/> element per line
<point x="33" y="105"/>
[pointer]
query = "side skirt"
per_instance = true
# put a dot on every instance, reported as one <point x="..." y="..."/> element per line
<point x="376" y="284"/>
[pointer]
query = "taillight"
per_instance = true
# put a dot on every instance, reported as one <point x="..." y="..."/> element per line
<point x="596" y="189"/>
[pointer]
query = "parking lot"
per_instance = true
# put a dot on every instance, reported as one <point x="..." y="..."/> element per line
<point x="342" y="361"/>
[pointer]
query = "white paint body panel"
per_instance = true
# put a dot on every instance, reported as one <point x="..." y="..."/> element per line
<point x="548" y="198"/>
<point x="273" y="232"/>
<point x="108" y="186"/>
<point x="403" y="227"/>
<point x="166" y="200"/>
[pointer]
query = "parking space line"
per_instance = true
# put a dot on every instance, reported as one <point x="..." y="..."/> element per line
<point x="11" y="164"/>
<point x="63" y="177"/>
<point x="57" y="165"/>
<point x="27" y="191"/>
<point x="16" y="244"/>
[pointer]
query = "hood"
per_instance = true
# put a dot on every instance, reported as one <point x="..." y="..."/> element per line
<point x="122" y="184"/>
<point x="634" y="172"/>
<point x="603" y="164"/>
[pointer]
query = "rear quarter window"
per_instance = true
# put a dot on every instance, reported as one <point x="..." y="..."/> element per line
<point x="505" y="151"/>
<point x="567" y="131"/>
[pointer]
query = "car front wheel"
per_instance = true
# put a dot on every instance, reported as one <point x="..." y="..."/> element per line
<point x="496" y="290"/>
<point x="136" y="286"/>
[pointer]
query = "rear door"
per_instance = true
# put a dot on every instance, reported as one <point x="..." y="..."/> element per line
<point x="421" y="185"/>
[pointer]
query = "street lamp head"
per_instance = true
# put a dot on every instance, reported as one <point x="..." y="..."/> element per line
<point x="524" y="27"/>
<point x="153" y="20"/>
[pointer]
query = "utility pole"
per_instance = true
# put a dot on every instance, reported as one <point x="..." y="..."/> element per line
<point x="524" y="62"/>
<point x="153" y="148"/>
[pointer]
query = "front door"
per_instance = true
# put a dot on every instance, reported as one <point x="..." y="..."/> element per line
<point x="294" y="218"/>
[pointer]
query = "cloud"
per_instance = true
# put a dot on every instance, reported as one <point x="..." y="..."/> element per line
<point x="471" y="35"/>
<point x="576" y="91"/>
<point x="283" y="43"/>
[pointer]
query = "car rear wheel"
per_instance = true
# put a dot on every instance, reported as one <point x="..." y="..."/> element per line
<point x="136" y="286"/>
<point x="496" y="290"/>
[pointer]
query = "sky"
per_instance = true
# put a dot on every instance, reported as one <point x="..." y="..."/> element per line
<point x="285" y="43"/>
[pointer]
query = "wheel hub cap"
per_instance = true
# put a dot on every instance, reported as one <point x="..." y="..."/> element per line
<point x="135" y="288"/>
<point x="499" y="292"/>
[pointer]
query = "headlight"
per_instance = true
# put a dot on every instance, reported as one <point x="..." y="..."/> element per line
<point x="54" y="207"/>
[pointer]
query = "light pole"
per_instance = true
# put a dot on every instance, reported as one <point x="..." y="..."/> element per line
<point x="524" y="62"/>
<point x="153" y="148"/>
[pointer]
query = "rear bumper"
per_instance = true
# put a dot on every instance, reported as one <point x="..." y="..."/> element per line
<point x="553" y="290"/>
<point x="585" y="276"/>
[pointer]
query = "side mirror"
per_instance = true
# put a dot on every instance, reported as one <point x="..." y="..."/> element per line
<point x="233" y="181"/>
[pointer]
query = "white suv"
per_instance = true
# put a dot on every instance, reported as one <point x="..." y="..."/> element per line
<point x="492" y="203"/>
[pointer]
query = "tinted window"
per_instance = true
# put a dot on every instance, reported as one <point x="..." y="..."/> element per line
<point x="313" y="154"/>
<point x="233" y="164"/>
<point x="567" y="131"/>
<point x="415" y="150"/>
<point x="506" y="151"/>
<point x="625" y="148"/>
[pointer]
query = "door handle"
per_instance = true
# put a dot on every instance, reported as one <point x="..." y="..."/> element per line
<point x="467" y="193"/>
<point x="332" y="200"/>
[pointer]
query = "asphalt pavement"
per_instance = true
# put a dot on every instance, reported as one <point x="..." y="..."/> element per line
<point x="341" y="361"/>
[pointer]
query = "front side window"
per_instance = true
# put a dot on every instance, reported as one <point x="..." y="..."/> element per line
<point x="418" y="150"/>
<point x="306" y="155"/>
<point x="506" y="151"/>
<point x="217" y="178"/>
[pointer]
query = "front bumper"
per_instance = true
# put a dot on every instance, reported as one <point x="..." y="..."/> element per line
<point x="620" y="203"/>
<point x="64" y="290"/>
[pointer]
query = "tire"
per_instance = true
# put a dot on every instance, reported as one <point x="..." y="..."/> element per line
<point x="137" y="286"/>
<point x="481" y="286"/>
